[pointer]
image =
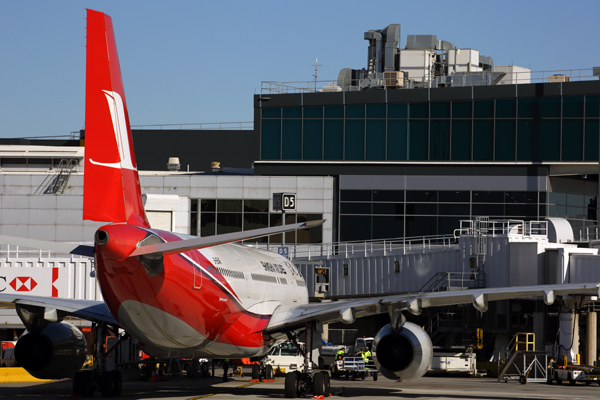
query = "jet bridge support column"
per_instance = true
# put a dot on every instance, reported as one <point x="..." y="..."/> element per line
<point x="592" y="335"/>
<point x="569" y="330"/>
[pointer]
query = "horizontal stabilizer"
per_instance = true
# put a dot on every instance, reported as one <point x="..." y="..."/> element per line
<point x="189" y="244"/>
<point x="58" y="247"/>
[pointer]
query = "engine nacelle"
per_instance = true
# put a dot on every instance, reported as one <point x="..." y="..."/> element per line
<point x="57" y="351"/>
<point x="405" y="355"/>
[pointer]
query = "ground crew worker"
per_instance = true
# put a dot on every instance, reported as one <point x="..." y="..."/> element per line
<point x="225" y="369"/>
<point x="366" y="355"/>
<point x="340" y="354"/>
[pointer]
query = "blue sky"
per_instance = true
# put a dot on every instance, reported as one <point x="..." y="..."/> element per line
<point x="202" y="61"/>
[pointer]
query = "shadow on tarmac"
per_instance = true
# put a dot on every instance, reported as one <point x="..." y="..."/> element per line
<point x="182" y="388"/>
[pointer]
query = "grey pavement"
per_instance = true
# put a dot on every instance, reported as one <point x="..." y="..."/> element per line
<point x="240" y="388"/>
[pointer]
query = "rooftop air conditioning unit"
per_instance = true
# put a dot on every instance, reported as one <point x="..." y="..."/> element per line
<point x="393" y="79"/>
<point x="559" y="78"/>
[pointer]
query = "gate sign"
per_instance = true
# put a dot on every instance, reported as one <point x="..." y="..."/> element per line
<point x="284" y="201"/>
<point x="284" y="251"/>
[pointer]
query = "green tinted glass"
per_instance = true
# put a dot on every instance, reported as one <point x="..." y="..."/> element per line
<point x="396" y="139"/>
<point x="270" y="139"/>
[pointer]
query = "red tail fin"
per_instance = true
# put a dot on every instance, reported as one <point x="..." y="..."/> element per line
<point x="111" y="184"/>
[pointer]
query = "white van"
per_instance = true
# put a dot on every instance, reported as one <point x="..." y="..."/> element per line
<point x="286" y="357"/>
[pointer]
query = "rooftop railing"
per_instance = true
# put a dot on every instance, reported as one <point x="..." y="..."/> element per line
<point x="508" y="227"/>
<point x="587" y="234"/>
<point x="8" y="251"/>
<point x="511" y="78"/>
<point x="215" y="126"/>
<point x="368" y="248"/>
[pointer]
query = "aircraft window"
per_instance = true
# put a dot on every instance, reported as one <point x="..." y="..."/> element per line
<point x="264" y="278"/>
<point x="231" y="274"/>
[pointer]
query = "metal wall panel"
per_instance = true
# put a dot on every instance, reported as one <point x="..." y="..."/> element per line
<point x="523" y="263"/>
<point x="584" y="268"/>
<point x="376" y="275"/>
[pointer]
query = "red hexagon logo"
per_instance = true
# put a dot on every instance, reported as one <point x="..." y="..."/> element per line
<point x="23" y="284"/>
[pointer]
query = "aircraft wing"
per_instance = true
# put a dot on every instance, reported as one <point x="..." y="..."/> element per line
<point x="87" y="309"/>
<point x="208" y="241"/>
<point x="347" y="310"/>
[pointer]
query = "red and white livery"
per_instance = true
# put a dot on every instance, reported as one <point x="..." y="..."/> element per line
<point x="184" y="296"/>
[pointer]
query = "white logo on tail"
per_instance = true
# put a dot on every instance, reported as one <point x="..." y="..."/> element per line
<point x="117" y="113"/>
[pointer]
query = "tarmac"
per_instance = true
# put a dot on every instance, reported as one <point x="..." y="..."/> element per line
<point x="240" y="388"/>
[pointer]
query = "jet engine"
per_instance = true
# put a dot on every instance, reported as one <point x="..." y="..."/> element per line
<point x="57" y="351"/>
<point x="406" y="354"/>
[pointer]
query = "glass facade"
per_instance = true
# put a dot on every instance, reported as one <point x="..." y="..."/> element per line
<point x="217" y="216"/>
<point x="382" y="214"/>
<point x="561" y="128"/>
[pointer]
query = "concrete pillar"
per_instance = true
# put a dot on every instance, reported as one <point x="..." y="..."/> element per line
<point x="325" y="334"/>
<point x="592" y="335"/>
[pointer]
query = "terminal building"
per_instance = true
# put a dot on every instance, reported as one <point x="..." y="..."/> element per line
<point x="434" y="168"/>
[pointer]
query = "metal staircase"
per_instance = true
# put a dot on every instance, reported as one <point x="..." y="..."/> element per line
<point x="447" y="281"/>
<point x="447" y="327"/>
<point x="521" y="361"/>
<point x="57" y="182"/>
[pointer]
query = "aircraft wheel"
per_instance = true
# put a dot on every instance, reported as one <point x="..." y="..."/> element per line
<point x="291" y="384"/>
<point x="327" y="384"/>
<point x="193" y="369"/>
<point x="81" y="384"/>
<point x="318" y="386"/>
<point x="111" y="384"/>
<point x="522" y="379"/>
<point x="269" y="372"/>
<point x="255" y="371"/>
<point x="118" y="382"/>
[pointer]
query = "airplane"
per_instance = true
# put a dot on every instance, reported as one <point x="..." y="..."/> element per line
<point x="198" y="297"/>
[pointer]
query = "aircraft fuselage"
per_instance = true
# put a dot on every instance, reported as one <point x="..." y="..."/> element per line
<point x="211" y="302"/>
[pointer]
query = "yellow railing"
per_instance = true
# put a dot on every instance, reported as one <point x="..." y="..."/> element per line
<point x="524" y="341"/>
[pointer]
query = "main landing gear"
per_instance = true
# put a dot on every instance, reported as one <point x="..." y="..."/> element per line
<point x="297" y="383"/>
<point x="108" y="383"/>
<point x="85" y="383"/>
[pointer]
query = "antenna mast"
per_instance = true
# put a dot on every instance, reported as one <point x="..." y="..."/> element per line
<point x="316" y="65"/>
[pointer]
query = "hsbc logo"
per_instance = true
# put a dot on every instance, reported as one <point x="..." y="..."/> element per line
<point x="23" y="284"/>
<point x="41" y="281"/>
